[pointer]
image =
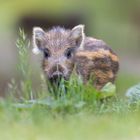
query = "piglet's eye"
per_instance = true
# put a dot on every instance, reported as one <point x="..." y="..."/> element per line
<point x="46" y="53"/>
<point x="69" y="52"/>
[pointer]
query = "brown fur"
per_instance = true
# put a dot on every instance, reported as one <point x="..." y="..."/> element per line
<point x="99" y="61"/>
<point x="101" y="53"/>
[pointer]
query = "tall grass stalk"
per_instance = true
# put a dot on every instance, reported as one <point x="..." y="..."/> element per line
<point x="23" y="88"/>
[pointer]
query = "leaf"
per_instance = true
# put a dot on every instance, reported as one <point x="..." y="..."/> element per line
<point x="108" y="90"/>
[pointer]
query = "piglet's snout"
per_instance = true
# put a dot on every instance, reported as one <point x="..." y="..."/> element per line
<point x="57" y="71"/>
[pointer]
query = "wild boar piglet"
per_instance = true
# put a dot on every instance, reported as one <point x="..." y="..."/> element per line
<point x="66" y="49"/>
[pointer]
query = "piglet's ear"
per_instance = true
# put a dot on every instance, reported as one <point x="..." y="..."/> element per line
<point x="77" y="34"/>
<point x="38" y="37"/>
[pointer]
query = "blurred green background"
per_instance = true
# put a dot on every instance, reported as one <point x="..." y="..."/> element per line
<point x="117" y="22"/>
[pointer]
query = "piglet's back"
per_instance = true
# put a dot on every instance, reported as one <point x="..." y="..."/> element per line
<point x="97" y="59"/>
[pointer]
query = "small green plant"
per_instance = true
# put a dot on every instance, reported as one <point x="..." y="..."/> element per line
<point x="133" y="94"/>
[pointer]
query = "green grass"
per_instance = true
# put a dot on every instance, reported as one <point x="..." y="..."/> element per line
<point x="28" y="114"/>
<point x="115" y="120"/>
